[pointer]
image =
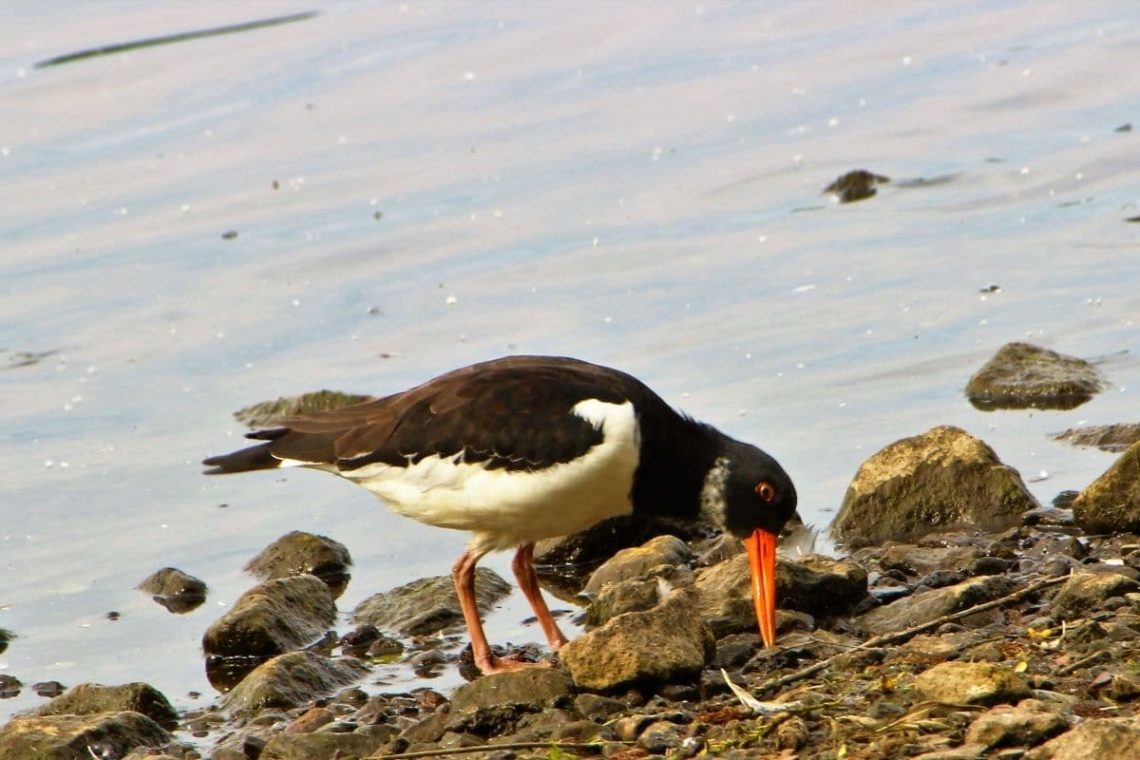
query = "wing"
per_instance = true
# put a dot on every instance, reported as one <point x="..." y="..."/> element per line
<point x="514" y="413"/>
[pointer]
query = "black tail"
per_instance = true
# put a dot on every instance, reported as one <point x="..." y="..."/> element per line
<point x="254" y="458"/>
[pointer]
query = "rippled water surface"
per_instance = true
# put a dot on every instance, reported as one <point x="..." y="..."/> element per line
<point x="384" y="191"/>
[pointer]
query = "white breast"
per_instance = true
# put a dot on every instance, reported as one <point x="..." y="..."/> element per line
<point x="505" y="508"/>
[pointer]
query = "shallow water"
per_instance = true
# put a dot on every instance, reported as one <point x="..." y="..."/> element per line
<point x="416" y="187"/>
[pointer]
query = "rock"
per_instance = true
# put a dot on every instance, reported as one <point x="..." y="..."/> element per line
<point x="1094" y="739"/>
<point x="300" y="553"/>
<point x="429" y="730"/>
<point x="576" y="731"/>
<point x="9" y="686"/>
<point x="962" y="752"/>
<point x="1028" y="724"/>
<point x="660" y="737"/>
<point x="1084" y="591"/>
<point x="928" y="605"/>
<point x="272" y="618"/>
<point x="73" y="737"/>
<point x="817" y="585"/>
<point x="793" y="734"/>
<point x="943" y="578"/>
<point x="271" y="413"/>
<point x="500" y="720"/>
<point x="930" y="647"/>
<point x="634" y="595"/>
<point x="93" y="698"/>
<point x="820" y="586"/>
<point x="598" y="708"/>
<point x="50" y="689"/>
<point x="291" y="680"/>
<point x="667" y="643"/>
<point x="1022" y="375"/>
<point x="305" y="746"/>
<point x="916" y="561"/>
<point x="427" y="605"/>
<point x="1114" y="438"/>
<point x="627" y="728"/>
<point x="636" y="561"/>
<point x="856" y="185"/>
<point x="1057" y="517"/>
<point x="724" y="596"/>
<point x="718" y="549"/>
<point x="603" y="540"/>
<point x="970" y="683"/>
<point x="310" y="720"/>
<point x="545" y="725"/>
<point x="526" y="686"/>
<point x="941" y="479"/>
<point x="1111" y="503"/>
<point x="175" y="590"/>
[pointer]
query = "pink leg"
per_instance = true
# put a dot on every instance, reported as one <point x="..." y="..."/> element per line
<point x="523" y="565"/>
<point x="463" y="575"/>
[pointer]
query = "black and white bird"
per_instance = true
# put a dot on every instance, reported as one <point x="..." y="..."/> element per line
<point x="524" y="448"/>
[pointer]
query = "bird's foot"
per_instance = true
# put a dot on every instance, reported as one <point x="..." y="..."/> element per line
<point x="514" y="661"/>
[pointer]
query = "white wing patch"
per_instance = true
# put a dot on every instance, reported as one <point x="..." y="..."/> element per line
<point x="506" y="508"/>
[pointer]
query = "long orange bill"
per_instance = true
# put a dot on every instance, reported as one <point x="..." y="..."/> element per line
<point x="761" y="546"/>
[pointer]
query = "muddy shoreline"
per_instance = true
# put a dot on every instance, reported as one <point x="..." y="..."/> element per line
<point x="1046" y="648"/>
<point x="964" y="619"/>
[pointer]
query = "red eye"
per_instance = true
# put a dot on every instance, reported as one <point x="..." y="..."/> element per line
<point x="766" y="491"/>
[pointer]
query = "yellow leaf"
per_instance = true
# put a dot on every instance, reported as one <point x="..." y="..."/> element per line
<point x="1021" y="667"/>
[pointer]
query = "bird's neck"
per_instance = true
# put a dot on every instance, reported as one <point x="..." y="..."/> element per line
<point x="674" y="474"/>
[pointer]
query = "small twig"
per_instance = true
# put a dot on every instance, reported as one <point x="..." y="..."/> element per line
<point x="596" y="746"/>
<point x="1075" y="666"/>
<point x="903" y="635"/>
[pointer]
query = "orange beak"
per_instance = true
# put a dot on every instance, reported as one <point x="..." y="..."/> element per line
<point x="761" y="546"/>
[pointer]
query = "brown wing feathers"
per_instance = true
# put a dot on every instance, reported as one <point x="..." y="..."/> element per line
<point x="512" y="413"/>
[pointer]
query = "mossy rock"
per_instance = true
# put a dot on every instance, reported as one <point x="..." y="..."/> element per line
<point x="942" y="479"/>
<point x="270" y="413"/>
<point x="1111" y="503"/>
<point x="1021" y="375"/>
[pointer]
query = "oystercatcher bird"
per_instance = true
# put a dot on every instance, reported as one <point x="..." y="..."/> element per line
<point x="523" y="448"/>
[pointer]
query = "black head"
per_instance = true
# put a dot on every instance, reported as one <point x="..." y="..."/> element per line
<point x="756" y="492"/>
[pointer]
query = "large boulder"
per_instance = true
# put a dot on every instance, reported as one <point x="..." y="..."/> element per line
<point x="1111" y="503"/>
<point x="942" y="479"/>
<point x="1022" y="375"/>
